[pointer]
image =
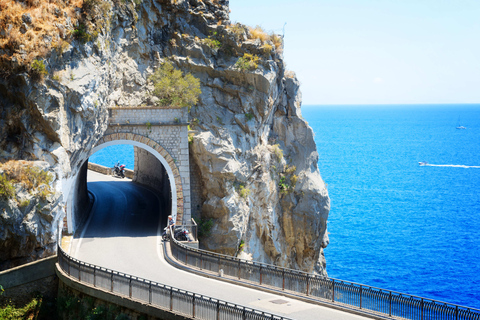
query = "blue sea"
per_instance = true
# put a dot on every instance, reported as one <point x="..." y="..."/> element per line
<point x="394" y="224"/>
<point x="109" y="156"/>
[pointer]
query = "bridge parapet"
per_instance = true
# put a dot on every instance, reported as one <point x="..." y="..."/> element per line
<point x="352" y="297"/>
<point x="149" y="297"/>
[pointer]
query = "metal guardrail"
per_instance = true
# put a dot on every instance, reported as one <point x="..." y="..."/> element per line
<point x="160" y="296"/>
<point x="359" y="296"/>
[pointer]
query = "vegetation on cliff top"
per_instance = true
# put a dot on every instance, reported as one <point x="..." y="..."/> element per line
<point x="32" y="29"/>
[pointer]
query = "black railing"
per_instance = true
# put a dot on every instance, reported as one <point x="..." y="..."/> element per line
<point x="157" y="295"/>
<point x="323" y="289"/>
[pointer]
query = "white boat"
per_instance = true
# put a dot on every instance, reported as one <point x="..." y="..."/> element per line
<point x="461" y="127"/>
<point x="422" y="163"/>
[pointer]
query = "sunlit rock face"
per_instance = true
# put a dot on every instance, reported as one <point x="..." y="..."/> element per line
<point x="254" y="157"/>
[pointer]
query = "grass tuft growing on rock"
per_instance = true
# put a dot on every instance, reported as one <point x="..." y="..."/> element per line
<point x="259" y="33"/>
<point x="7" y="190"/>
<point x="248" y="62"/>
<point x="33" y="179"/>
<point x="204" y="227"/>
<point x="38" y="70"/>
<point x="243" y="192"/>
<point x="238" y="30"/>
<point x="28" y="30"/>
<point x="278" y="152"/>
<point x="212" y="43"/>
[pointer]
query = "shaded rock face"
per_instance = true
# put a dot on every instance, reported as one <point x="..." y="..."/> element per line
<point x="255" y="155"/>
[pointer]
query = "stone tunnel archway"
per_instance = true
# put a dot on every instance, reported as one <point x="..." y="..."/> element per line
<point x="155" y="149"/>
<point x="163" y="133"/>
<point x="158" y="152"/>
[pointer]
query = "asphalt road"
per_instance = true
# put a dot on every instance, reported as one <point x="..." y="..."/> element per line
<point x="122" y="234"/>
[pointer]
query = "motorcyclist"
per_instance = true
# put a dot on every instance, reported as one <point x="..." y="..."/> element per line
<point x="171" y="223"/>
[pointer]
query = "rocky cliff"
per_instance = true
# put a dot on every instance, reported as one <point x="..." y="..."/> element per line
<point x="253" y="157"/>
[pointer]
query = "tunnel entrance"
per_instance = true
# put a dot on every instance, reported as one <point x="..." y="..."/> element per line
<point x="151" y="169"/>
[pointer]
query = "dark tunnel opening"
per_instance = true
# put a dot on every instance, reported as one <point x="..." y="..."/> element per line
<point x="149" y="176"/>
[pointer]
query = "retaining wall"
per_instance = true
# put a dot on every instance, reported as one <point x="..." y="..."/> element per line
<point x="107" y="170"/>
<point x="22" y="282"/>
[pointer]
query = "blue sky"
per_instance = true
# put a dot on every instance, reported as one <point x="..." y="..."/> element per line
<point x="376" y="51"/>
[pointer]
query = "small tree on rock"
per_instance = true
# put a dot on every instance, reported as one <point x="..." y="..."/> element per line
<point x="173" y="88"/>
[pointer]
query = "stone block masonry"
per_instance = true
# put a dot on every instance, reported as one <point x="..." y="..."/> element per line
<point x="164" y="130"/>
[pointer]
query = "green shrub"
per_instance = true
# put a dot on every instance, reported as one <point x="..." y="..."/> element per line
<point x="241" y="246"/>
<point x="249" y="116"/>
<point x="123" y="316"/>
<point x="24" y="203"/>
<point x="282" y="184"/>
<point x="244" y="192"/>
<point x="173" y="88"/>
<point x="56" y="77"/>
<point x="38" y="177"/>
<point x="212" y="43"/>
<point x="38" y="69"/>
<point x="248" y="62"/>
<point x="80" y="33"/>
<point x="29" y="311"/>
<point x="204" y="227"/>
<point x="7" y="190"/>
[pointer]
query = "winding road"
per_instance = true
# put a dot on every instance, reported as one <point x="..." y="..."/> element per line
<point x="123" y="234"/>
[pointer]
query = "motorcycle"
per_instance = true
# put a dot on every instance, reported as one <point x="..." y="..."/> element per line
<point x="179" y="233"/>
<point x="119" y="170"/>
<point x="182" y="235"/>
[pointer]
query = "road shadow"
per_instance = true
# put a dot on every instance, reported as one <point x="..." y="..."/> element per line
<point x="123" y="209"/>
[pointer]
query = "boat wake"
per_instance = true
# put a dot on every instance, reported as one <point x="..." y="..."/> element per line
<point x="449" y="165"/>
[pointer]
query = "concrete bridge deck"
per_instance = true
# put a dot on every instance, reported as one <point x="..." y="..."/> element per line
<point x="123" y="235"/>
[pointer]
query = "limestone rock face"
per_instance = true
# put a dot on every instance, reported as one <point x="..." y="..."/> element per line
<point x="26" y="224"/>
<point x="258" y="164"/>
<point x="255" y="157"/>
